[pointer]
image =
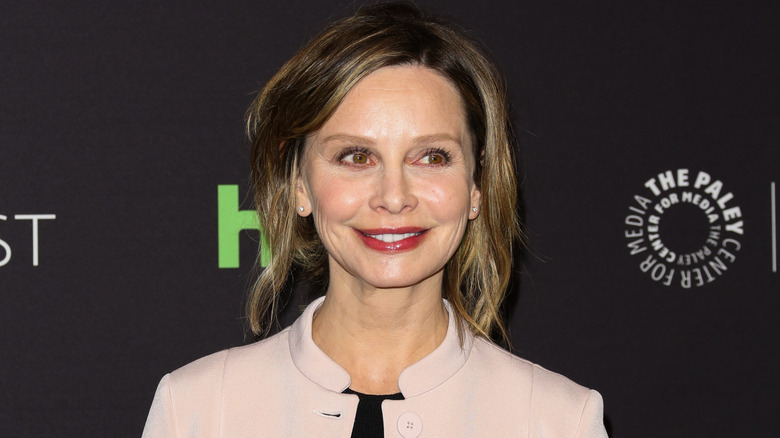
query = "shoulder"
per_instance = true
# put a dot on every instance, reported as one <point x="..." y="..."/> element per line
<point x="202" y="385"/>
<point x="191" y="397"/>
<point x="210" y="370"/>
<point x="555" y="403"/>
<point x="498" y="361"/>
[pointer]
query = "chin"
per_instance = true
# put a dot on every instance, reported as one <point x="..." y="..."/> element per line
<point x="403" y="279"/>
<point x="393" y="283"/>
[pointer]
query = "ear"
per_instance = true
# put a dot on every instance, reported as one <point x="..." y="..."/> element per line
<point x="302" y="199"/>
<point x="476" y="201"/>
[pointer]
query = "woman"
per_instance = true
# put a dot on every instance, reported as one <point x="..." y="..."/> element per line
<point x="382" y="166"/>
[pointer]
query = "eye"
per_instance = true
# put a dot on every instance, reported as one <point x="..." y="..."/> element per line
<point x="432" y="159"/>
<point x="435" y="157"/>
<point x="354" y="156"/>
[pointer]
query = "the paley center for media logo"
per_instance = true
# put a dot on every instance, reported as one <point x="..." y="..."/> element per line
<point x="684" y="228"/>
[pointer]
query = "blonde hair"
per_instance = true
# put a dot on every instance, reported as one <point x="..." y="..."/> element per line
<point x="306" y="91"/>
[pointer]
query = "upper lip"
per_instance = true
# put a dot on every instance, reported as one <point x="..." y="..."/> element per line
<point x="390" y="230"/>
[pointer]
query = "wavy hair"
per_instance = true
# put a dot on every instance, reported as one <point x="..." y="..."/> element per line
<point x="306" y="91"/>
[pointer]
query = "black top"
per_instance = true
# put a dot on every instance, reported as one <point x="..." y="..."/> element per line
<point x="368" y="418"/>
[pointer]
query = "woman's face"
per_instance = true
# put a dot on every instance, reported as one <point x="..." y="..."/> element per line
<point x="389" y="181"/>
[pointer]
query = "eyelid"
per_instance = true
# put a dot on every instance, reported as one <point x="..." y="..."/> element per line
<point x="351" y="151"/>
<point x="447" y="157"/>
<point x="431" y="151"/>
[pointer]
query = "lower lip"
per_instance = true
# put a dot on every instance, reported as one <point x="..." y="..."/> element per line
<point x="400" y="245"/>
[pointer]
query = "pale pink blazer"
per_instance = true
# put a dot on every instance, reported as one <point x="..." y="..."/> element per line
<point x="285" y="386"/>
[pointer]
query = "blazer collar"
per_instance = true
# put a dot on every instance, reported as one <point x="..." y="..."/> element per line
<point x="422" y="376"/>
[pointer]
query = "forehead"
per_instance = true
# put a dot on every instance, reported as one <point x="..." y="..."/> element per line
<point x="400" y="101"/>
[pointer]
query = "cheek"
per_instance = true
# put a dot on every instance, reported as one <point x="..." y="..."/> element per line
<point x="335" y="199"/>
<point x="450" y="197"/>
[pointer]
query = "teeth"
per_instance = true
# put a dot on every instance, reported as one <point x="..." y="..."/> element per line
<point x="390" y="238"/>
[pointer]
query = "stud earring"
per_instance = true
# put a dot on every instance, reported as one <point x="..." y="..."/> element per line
<point x="474" y="209"/>
<point x="300" y="209"/>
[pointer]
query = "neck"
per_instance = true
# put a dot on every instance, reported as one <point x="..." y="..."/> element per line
<point x="374" y="334"/>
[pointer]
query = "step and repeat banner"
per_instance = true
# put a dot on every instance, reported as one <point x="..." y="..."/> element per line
<point x="649" y="158"/>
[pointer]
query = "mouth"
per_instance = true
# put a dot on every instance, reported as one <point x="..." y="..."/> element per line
<point x="392" y="239"/>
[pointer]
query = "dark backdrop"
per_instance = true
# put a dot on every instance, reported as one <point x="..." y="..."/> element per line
<point x="119" y="120"/>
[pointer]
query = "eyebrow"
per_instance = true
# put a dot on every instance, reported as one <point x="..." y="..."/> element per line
<point x="348" y="138"/>
<point x="431" y="138"/>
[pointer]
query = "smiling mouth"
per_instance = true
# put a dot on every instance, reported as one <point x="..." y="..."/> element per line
<point x="390" y="238"/>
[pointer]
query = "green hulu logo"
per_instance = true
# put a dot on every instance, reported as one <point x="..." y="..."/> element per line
<point x="230" y="222"/>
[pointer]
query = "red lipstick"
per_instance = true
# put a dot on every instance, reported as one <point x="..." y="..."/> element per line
<point x="392" y="239"/>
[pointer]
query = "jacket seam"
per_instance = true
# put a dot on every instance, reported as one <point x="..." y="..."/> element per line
<point x="582" y="413"/>
<point x="169" y="386"/>
<point x="531" y="401"/>
<point x="222" y="393"/>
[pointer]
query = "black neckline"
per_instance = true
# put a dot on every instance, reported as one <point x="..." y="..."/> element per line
<point x="396" y="396"/>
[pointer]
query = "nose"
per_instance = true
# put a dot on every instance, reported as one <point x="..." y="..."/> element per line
<point x="393" y="191"/>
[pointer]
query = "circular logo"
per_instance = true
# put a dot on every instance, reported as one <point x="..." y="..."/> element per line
<point x="684" y="228"/>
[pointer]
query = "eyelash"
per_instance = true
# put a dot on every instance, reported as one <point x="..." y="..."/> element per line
<point x="446" y="156"/>
<point x="437" y="151"/>
<point x="351" y="151"/>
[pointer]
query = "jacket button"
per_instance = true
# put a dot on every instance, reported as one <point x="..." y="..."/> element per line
<point x="410" y="425"/>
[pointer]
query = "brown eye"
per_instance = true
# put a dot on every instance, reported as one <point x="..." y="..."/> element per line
<point x="355" y="157"/>
<point x="358" y="158"/>
<point x="435" y="159"/>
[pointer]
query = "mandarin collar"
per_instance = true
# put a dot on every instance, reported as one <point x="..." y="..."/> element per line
<point x="422" y="376"/>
